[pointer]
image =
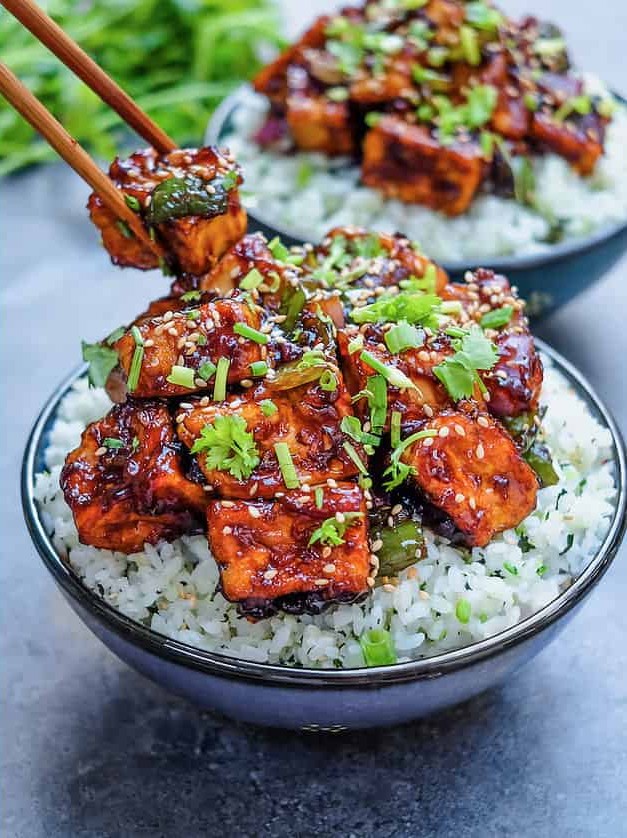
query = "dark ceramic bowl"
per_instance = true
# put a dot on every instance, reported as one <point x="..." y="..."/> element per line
<point x="546" y="280"/>
<point x="312" y="699"/>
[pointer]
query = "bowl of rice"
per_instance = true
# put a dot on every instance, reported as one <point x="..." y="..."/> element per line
<point x="462" y="620"/>
<point x="551" y="254"/>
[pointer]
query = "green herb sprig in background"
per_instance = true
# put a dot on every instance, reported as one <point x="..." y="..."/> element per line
<point x="176" y="58"/>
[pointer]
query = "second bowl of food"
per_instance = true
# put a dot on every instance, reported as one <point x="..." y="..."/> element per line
<point x="449" y="122"/>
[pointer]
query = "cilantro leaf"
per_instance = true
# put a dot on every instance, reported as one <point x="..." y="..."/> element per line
<point x="458" y="373"/>
<point x="229" y="446"/>
<point x="415" y="308"/>
<point x="331" y="531"/>
<point x="102" y="360"/>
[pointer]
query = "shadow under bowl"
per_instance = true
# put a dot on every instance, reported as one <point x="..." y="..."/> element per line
<point x="547" y="280"/>
<point x="311" y="699"/>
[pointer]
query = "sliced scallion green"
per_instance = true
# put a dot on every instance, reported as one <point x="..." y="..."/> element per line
<point x="378" y="647"/>
<point x="219" y="385"/>
<point x="206" y="370"/>
<point x="182" y="377"/>
<point x="352" y="453"/>
<point x="246" y="331"/>
<point x="286" y="464"/>
<point x="268" y="407"/>
<point x="253" y="279"/>
<point x="258" y="368"/>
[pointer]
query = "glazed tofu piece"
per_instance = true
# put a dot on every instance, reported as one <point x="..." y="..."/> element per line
<point x="274" y="79"/>
<point x="470" y="469"/>
<point x="579" y="140"/>
<point x="405" y="161"/>
<point x="307" y="419"/>
<point x="125" y="482"/>
<point x="292" y="554"/>
<point x="252" y="253"/>
<point x="177" y="349"/>
<point x="421" y="395"/>
<point x="515" y="381"/>
<point x="369" y="260"/>
<point x="318" y="124"/>
<point x="189" y="198"/>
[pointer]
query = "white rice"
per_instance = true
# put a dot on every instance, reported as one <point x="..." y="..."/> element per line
<point x="172" y="587"/>
<point x="333" y="196"/>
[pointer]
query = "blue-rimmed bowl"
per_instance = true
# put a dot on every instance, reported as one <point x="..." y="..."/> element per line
<point x="312" y="699"/>
<point x="546" y="280"/>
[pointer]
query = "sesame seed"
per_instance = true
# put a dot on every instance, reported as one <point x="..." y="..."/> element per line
<point x="472" y="503"/>
<point x="180" y="418"/>
<point x="321" y="582"/>
<point x="427" y="442"/>
<point x="227" y="530"/>
<point x="332" y="483"/>
<point x="254" y="512"/>
<point x="270" y="574"/>
<point x="228" y="504"/>
<point x="149" y="342"/>
<point x="427" y="410"/>
<point x="100" y="451"/>
<point x="168" y="316"/>
<point x="377" y="545"/>
<point x="459" y="430"/>
<point x="480" y="451"/>
<point x="329" y="568"/>
<point x="326" y="552"/>
<point x="483" y="422"/>
<point x="460" y="498"/>
<point x="370" y="581"/>
<point x="443" y="432"/>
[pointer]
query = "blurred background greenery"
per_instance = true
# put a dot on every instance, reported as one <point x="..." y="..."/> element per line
<point x="176" y="58"/>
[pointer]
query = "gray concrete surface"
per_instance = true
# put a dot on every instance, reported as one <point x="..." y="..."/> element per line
<point x="89" y="748"/>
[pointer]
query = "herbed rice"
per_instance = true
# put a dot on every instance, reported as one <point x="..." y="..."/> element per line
<point x="172" y="587"/>
<point x="282" y="186"/>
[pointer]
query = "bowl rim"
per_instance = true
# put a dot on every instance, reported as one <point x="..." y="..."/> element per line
<point x="557" y="253"/>
<point x="275" y="674"/>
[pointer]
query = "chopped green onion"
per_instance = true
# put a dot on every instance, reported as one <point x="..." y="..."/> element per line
<point x="319" y="496"/>
<point x="377" y="386"/>
<point x="304" y="174"/>
<point x="135" y="443"/>
<point x="510" y="568"/>
<point x="337" y="94"/>
<point x="286" y="464"/>
<point x="278" y="249"/>
<point x="191" y="296"/>
<point x="496" y="318"/>
<point x="206" y="370"/>
<point x="268" y="407"/>
<point x="193" y="315"/>
<point x="246" y="331"/>
<point x="355" y="344"/>
<point x="541" y="569"/>
<point x="137" y="336"/>
<point x="328" y="381"/>
<point x="124" y="228"/>
<point x="463" y="610"/>
<point x="352" y="453"/>
<point x="486" y="141"/>
<point x="373" y="119"/>
<point x="182" y="377"/>
<point x="570" y="540"/>
<point x="219" y="385"/>
<point x="252" y="280"/>
<point x="201" y="340"/>
<point x="531" y="102"/>
<point x="111" y="442"/>
<point x="392" y="375"/>
<point x="378" y="648"/>
<point x="258" y="368"/>
<point x="395" y="428"/>
<point x="470" y="45"/>
<point x="137" y="360"/>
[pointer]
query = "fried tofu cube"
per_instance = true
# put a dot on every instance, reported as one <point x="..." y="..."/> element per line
<point x="194" y="339"/>
<point x="515" y="381"/>
<point x="292" y="554"/>
<point x="386" y="258"/>
<point x="248" y="254"/>
<point x="405" y="161"/>
<point x="318" y="124"/>
<point x="470" y="468"/>
<point x="580" y="141"/>
<point x="306" y="418"/>
<point x="189" y="197"/>
<point x="125" y="482"/>
<point x="414" y="367"/>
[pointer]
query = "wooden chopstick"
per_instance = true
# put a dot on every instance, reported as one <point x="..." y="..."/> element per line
<point x="68" y="51"/>
<point x="67" y="147"/>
